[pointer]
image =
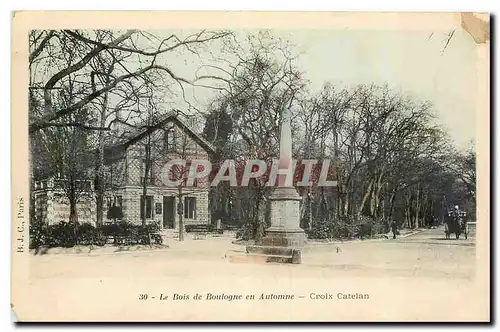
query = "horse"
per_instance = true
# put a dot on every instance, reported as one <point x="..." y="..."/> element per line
<point x="455" y="225"/>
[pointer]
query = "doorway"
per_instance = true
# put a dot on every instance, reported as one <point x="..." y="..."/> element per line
<point x="168" y="212"/>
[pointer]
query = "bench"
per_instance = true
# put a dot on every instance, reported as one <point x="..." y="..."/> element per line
<point x="231" y="227"/>
<point x="203" y="228"/>
<point x="200" y="230"/>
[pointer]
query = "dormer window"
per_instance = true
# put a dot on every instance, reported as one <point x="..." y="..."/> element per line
<point x="169" y="139"/>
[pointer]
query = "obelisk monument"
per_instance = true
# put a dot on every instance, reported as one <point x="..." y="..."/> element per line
<point x="284" y="235"/>
<point x="285" y="201"/>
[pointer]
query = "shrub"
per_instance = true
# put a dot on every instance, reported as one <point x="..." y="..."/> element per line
<point x="85" y="233"/>
<point x="320" y="230"/>
<point x="151" y="228"/>
<point x="111" y="230"/>
<point x="347" y="227"/>
<point x="114" y="213"/>
<point x="152" y="232"/>
<point x="63" y="234"/>
<point x="133" y="234"/>
<point x="60" y="235"/>
<point x="246" y="232"/>
<point x="90" y="235"/>
<point x="37" y="233"/>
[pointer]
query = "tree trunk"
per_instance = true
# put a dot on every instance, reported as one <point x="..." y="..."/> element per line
<point x="375" y="196"/>
<point x="408" y="210"/>
<point x="382" y="206"/>
<point x="373" y="201"/>
<point x="340" y="201"/>
<point x="444" y="209"/>
<point x="99" y="189"/>
<point x="73" y="212"/>
<point x="258" y="217"/>
<point x="343" y="201"/>
<point x="144" y="204"/>
<point x="145" y="180"/>
<point x="432" y="215"/>
<point x="100" y="162"/>
<point x="346" y="205"/>
<point x="100" y="176"/>
<point x="378" y="193"/>
<point x="322" y="205"/>
<point x="310" y="201"/>
<point x="180" y="213"/>
<point x="417" y="207"/>
<point x="365" y="197"/>
<point x="391" y="202"/>
<point x="425" y="209"/>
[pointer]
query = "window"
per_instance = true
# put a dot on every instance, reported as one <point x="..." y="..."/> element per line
<point x="169" y="139"/>
<point x="149" y="207"/>
<point x="158" y="209"/>
<point x="199" y="169"/>
<point x="116" y="201"/>
<point x="174" y="173"/>
<point x="187" y="169"/>
<point x="178" y="172"/>
<point x="190" y="207"/>
<point x="119" y="201"/>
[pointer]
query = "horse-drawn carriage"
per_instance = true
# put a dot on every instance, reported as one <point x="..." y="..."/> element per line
<point x="455" y="224"/>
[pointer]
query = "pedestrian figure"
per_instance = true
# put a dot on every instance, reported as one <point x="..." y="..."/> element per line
<point x="394" y="228"/>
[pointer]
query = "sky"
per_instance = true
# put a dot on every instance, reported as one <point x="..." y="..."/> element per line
<point x="412" y="62"/>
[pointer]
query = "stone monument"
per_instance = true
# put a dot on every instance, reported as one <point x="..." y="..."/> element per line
<point x="284" y="238"/>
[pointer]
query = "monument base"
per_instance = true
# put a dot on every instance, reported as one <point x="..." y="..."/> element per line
<point x="282" y="246"/>
<point x="272" y="254"/>
<point x="284" y="239"/>
<point x="285" y="218"/>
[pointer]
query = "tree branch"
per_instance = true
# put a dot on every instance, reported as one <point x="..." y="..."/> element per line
<point x="47" y="121"/>
<point x="80" y="125"/>
<point x="155" y="53"/>
<point x="40" y="47"/>
<point x="77" y="66"/>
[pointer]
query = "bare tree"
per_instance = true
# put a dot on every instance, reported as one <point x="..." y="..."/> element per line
<point x="261" y="81"/>
<point x="50" y="69"/>
<point x="463" y="165"/>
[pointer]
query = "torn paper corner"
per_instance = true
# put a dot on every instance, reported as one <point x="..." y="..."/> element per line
<point x="477" y="25"/>
<point x="13" y="314"/>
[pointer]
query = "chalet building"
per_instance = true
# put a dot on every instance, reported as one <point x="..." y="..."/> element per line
<point x="149" y="150"/>
<point x="125" y="175"/>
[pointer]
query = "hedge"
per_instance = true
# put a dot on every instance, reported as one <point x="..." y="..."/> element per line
<point x="65" y="234"/>
<point x="348" y="227"/>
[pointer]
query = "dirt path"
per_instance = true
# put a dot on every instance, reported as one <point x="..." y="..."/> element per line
<point x="390" y="271"/>
<point x="421" y="255"/>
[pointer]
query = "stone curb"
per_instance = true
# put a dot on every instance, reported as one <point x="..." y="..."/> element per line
<point x="412" y="233"/>
<point x="382" y="237"/>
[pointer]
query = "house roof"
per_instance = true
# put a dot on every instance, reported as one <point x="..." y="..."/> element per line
<point x="171" y="117"/>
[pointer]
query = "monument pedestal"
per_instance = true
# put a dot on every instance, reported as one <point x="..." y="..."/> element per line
<point x="284" y="238"/>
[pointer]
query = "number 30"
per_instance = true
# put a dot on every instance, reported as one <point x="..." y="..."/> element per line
<point x="143" y="296"/>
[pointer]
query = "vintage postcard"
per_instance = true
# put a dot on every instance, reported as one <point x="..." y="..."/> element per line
<point x="250" y="167"/>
